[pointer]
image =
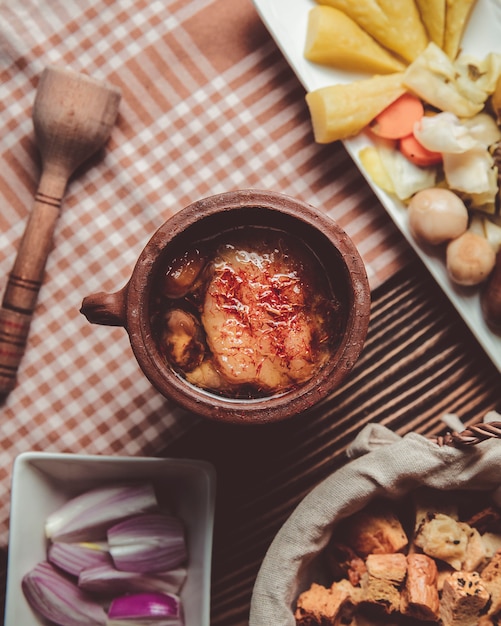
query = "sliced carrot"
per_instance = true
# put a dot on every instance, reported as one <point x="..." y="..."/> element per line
<point x="398" y="119"/>
<point x="419" y="155"/>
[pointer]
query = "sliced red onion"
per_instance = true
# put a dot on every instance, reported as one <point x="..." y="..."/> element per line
<point x="59" y="600"/>
<point x="87" y="516"/>
<point x="75" y="557"/>
<point x="148" y="543"/>
<point x="105" y="579"/>
<point x="155" y="609"/>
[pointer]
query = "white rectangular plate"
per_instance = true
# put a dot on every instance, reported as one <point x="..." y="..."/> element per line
<point x="42" y="482"/>
<point x="287" y="20"/>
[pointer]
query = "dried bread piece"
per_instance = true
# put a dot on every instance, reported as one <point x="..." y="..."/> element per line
<point x="420" y="595"/>
<point x="492" y="543"/>
<point x="491" y="578"/>
<point x="442" y="537"/>
<point x="463" y="599"/>
<point x="375" y="530"/>
<point x="381" y="594"/>
<point x="381" y="585"/>
<point x="343" y="562"/>
<point x="391" y="567"/>
<point x="427" y="504"/>
<point x="321" y="605"/>
<point x="475" y="553"/>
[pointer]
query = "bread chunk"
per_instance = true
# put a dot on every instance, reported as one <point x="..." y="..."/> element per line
<point x="381" y="593"/>
<point x="420" y="595"/>
<point x="376" y="530"/>
<point x="381" y="585"/>
<point x="475" y="553"/>
<point x="343" y="562"/>
<point x="463" y="599"/>
<point x="321" y="606"/>
<point x="491" y="578"/>
<point x="391" y="567"/>
<point x="491" y="543"/>
<point x="442" y="537"/>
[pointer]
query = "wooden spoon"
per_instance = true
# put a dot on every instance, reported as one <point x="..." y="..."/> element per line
<point x="73" y="115"/>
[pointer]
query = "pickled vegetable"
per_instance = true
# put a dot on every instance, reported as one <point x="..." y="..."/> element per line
<point x="333" y="38"/>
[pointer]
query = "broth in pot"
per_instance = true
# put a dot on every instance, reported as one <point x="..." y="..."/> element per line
<point x="246" y="314"/>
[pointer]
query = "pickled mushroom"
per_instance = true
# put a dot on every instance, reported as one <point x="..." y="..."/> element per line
<point x="437" y="215"/>
<point x="182" y="339"/>
<point x="182" y="273"/>
<point x="470" y="259"/>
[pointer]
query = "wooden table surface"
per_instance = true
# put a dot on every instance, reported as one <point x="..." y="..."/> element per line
<point x="209" y="104"/>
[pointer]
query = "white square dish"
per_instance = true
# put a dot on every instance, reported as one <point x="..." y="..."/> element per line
<point x="41" y="482"/>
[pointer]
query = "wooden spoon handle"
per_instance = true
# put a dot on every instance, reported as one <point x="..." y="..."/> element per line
<point x="73" y="115"/>
<point x="24" y="282"/>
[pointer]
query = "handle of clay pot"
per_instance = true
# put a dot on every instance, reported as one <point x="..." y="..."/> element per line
<point x="107" y="309"/>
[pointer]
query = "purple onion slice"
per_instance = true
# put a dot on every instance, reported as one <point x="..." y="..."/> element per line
<point x="59" y="600"/>
<point x="105" y="579"/>
<point x="148" y="543"/>
<point x="87" y="516"/>
<point x="146" y="608"/>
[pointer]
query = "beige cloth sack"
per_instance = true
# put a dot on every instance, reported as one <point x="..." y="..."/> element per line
<point x="382" y="464"/>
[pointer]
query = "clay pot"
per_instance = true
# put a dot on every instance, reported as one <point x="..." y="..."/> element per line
<point x="130" y="307"/>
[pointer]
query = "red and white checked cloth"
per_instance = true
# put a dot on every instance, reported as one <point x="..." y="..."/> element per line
<point x="209" y="105"/>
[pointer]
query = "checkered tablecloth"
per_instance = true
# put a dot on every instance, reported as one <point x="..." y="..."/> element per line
<point x="208" y="105"/>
